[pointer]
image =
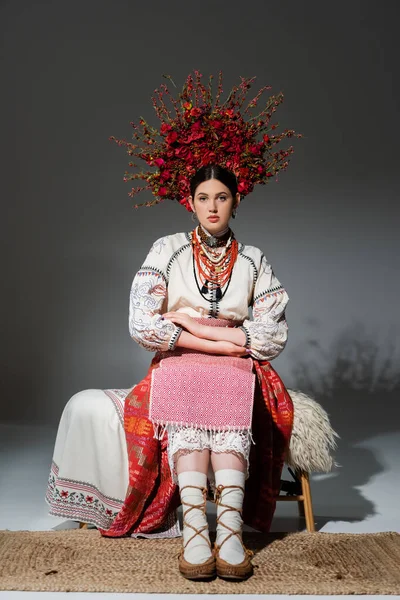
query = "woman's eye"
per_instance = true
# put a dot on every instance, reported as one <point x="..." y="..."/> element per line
<point x="202" y="198"/>
<point x="222" y="197"/>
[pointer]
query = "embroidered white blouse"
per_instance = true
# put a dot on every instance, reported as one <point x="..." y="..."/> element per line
<point x="168" y="281"/>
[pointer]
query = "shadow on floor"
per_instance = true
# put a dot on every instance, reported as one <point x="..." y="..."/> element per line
<point x="358" y="384"/>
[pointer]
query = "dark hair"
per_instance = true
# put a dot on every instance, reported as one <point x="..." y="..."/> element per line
<point x="214" y="172"/>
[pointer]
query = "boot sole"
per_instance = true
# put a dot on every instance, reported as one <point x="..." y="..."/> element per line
<point x="234" y="577"/>
<point x="237" y="572"/>
<point x="203" y="571"/>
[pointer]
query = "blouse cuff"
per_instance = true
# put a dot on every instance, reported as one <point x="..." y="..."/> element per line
<point x="247" y="334"/>
<point x="174" y="338"/>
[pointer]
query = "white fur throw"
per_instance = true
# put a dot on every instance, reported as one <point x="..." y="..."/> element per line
<point x="313" y="438"/>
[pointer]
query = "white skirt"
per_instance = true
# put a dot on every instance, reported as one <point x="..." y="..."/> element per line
<point x="89" y="474"/>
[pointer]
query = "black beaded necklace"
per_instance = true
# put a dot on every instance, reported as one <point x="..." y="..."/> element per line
<point x="213" y="241"/>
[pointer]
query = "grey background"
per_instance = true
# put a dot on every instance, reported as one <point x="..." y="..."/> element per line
<point x="75" y="73"/>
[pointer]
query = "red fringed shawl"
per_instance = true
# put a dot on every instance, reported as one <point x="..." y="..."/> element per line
<point x="152" y="494"/>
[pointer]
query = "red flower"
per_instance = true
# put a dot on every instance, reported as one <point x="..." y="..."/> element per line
<point x="190" y="170"/>
<point x="196" y="132"/>
<point x="260" y="169"/>
<point x="89" y="498"/>
<point x="171" y="137"/>
<point x="165" y="175"/>
<point x="185" y="203"/>
<point x="255" y="149"/>
<point x="165" y="128"/>
<point x="266" y="138"/>
<point x="208" y="156"/>
<point x="64" y="494"/>
<point x="243" y="187"/>
<point x="159" y="162"/>
<point x="187" y="105"/>
<point x="236" y="162"/>
<point x="216" y="123"/>
<point x="269" y="174"/>
<point x="184" y="152"/>
<point x="195" y="112"/>
<point x="236" y="146"/>
<point x="163" y="191"/>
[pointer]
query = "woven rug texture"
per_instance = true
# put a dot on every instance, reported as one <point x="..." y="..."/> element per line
<point x="293" y="563"/>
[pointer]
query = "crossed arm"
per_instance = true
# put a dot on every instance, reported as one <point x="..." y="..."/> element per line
<point x="264" y="337"/>
<point x="213" y="340"/>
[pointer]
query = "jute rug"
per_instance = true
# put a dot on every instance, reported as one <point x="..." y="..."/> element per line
<point x="294" y="563"/>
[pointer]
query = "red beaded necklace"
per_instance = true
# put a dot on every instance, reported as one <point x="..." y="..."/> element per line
<point x="218" y="270"/>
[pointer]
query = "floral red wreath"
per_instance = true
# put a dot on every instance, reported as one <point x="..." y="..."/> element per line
<point x="197" y="130"/>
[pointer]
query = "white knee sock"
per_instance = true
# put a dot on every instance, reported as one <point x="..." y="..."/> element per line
<point x="232" y="550"/>
<point x="198" y="550"/>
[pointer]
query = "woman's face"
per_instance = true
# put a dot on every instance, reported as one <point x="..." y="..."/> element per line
<point x="213" y="204"/>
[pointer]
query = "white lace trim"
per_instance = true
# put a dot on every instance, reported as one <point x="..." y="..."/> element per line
<point x="187" y="439"/>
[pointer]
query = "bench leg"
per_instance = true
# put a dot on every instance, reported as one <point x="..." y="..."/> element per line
<point x="307" y="504"/>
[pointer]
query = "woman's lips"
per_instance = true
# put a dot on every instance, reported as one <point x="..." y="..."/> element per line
<point x="213" y="218"/>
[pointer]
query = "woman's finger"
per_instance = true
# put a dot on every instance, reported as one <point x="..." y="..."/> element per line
<point x="177" y="318"/>
<point x="171" y="315"/>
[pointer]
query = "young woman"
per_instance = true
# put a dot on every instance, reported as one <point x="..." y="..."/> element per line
<point x="193" y="293"/>
<point x="188" y="427"/>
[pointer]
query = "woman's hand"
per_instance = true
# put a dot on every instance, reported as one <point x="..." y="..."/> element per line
<point x="188" y="323"/>
<point x="229" y="349"/>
